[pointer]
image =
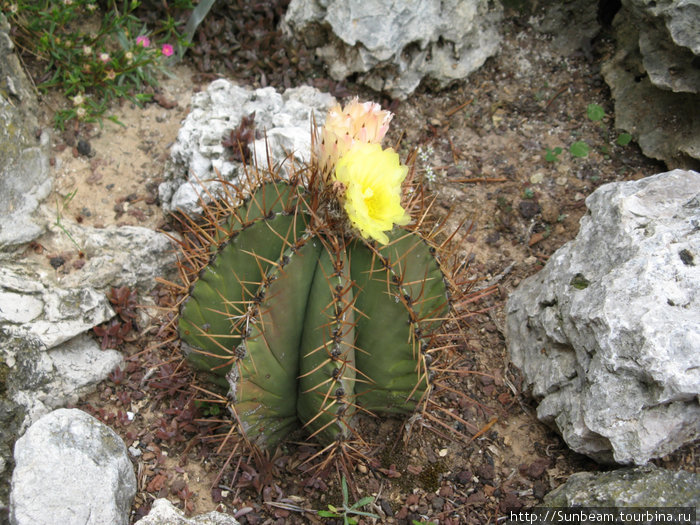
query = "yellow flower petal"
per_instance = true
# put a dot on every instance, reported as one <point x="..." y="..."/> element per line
<point x="372" y="178"/>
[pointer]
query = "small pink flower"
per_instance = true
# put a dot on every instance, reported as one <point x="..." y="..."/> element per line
<point x="143" y="41"/>
<point x="104" y="57"/>
<point x="167" y="50"/>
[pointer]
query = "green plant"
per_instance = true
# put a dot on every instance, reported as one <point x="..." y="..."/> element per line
<point x="595" y="112"/>
<point x="416" y="522"/>
<point x="348" y="510"/>
<point x="579" y="149"/>
<point x="306" y="304"/>
<point x="92" y="57"/>
<point x="552" y="155"/>
<point x="623" y="139"/>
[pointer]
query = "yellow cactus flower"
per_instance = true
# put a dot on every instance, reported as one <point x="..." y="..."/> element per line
<point x="372" y="178"/>
<point x="364" y="122"/>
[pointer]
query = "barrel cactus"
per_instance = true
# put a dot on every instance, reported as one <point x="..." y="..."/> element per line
<point x="314" y="296"/>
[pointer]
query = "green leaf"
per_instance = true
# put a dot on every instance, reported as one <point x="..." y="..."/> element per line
<point x="595" y="112"/>
<point x="364" y="501"/>
<point x="552" y="155"/>
<point x="345" y="491"/>
<point x="199" y="13"/>
<point x="579" y="149"/>
<point x="623" y="139"/>
<point x="328" y="514"/>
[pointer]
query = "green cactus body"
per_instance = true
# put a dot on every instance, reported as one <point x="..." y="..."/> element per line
<point x="306" y="330"/>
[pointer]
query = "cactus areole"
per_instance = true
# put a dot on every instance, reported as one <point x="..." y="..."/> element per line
<point x="307" y="314"/>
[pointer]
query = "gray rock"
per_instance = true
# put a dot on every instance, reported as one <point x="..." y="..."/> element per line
<point x="394" y="46"/>
<point x="32" y="306"/>
<point x="646" y="486"/>
<point x="571" y="23"/>
<point x="198" y="155"/>
<point x="607" y="333"/>
<point x="164" y="513"/>
<point x="70" y="468"/>
<point x="668" y="39"/>
<point x="24" y="159"/>
<point x="125" y="256"/>
<point x="654" y="79"/>
<point x="43" y="380"/>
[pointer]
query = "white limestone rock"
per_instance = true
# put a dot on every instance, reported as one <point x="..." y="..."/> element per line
<point x="164" y="513"/>
<point x="24" y="157"/>
<point x="70" y="468"/>
<point x="654" y="78"/>
<point x="198" y="155"/>
<point x="31" y="307"/>
<point x="394" y="46"/>
<point x="607" y="334"/>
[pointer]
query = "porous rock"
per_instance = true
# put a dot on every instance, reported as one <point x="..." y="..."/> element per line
<point x="607" y="333"/>
<point x="121" y="256"/>
<point x="645" y="486"/>
<point x="393" y="46"/>
<point x="32" y="306"/>
<point x="43" y="380"/>
<point x="164" y="513"/>
<point x="70" y="468"/>
<point x="654" y="78"/>
<point x="24" y="151"/>
<point x="282" y="124"/>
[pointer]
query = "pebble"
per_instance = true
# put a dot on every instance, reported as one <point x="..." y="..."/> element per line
<point x="386" y="507"/>
<point x="84" y="147"/>
<point x="562" y="181"/>
<point x="550" y="212"/>
<point x="528" y="209"/>
<point x="57" y="262"/>
<point x="537" y="178"/>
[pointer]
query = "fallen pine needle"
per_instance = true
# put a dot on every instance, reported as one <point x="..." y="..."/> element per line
<point x="483" y="179"/>
<point x="485" y="429"/>
<point x="461" y="106"/>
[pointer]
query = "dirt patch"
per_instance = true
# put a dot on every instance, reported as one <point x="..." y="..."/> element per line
<point x="491" y="145"/>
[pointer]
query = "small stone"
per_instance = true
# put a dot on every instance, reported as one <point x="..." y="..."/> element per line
<point x="438" y="503"/>
<point x="528" y="209"/>
<point x="562" y="181"/>
<point x="550" y="211"/>
<point x="463" y="477"/>
<point x="56" y="262"/>
<point x="386" y="507"/>
<point x="537" y="178"/>
<point x="84" y="148"/>
<point x="362" y="469"/>
<point x="486" y="471"/>
<point x="539" y="489"/>
<point x="492" y="238"/>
